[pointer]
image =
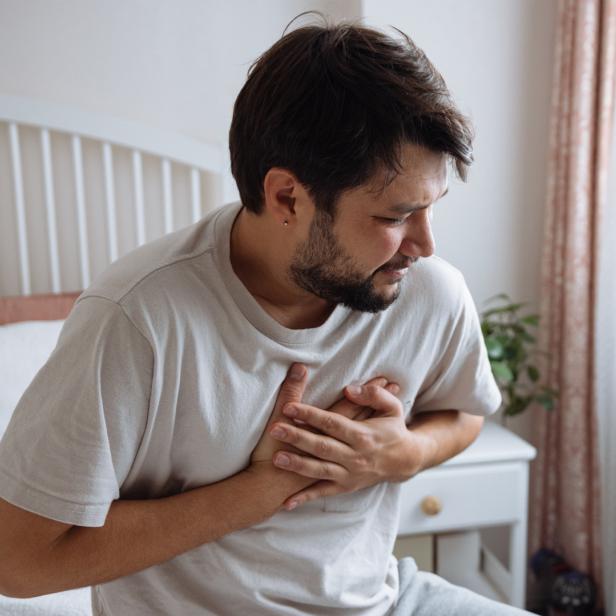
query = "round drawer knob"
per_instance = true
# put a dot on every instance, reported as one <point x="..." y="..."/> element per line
<point x="431" y="505"/>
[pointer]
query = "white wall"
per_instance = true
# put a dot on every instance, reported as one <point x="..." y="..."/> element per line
<point x="173" y="64"/>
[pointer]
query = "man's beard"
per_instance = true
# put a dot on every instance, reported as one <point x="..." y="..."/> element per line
<point x="321" y="267"/>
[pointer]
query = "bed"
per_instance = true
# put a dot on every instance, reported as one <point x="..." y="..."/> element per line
<point x="77" y="191"/>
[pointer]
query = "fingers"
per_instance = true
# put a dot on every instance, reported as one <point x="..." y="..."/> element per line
<point x="319" y="489"/>
<point x="310" y="467"/>
<point x="378" y="398"/>
<point x="332" y="424"/>
<point x="349" y="409"/>
<point x="393" y="388"/>
<point x="366" y="412"/>
<point x="379" y="381"/>
<point x="292" y="388"/>
<point x="318" y="445"/>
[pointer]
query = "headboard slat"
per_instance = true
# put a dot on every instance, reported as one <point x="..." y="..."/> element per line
<point x="112" y="228"/>
<point x="50" y="208"/>
<point x="80" y="201"/>
<point x="138" y="195"/>
<point x="195" y="191"/>
<point x="167" y="199"/>
<point x="18" y="186"/>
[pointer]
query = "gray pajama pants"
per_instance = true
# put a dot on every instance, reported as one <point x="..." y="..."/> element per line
<point x="426" y="594"/>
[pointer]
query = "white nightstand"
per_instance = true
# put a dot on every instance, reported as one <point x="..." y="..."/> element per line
<point x="484" y="486"/>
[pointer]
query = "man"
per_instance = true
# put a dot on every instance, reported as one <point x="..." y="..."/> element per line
<point x="145" y="458"/>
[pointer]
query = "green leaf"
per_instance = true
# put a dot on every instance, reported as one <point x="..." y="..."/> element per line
<point x="494" y="347"/>
<point x="511" y="308"/>
<point x="514" y="351"/>
<point x="502" y="371"/>
<point x="531" y="319"/>
<point x="518" y="404"/>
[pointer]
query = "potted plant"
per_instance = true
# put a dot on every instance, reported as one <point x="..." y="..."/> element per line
<point x="511" y="345"/>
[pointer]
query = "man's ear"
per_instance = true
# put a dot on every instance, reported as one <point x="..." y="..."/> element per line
<point x="281" y="191"/>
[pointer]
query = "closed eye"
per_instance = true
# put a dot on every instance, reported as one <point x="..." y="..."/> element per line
<point x="394" y="222"/>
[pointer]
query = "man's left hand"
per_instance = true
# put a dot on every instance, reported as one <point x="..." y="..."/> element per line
<point x="346" y="454"/>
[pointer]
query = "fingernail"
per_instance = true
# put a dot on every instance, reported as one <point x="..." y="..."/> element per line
<point x="355" y="389"/>
<point x="282" y="460"/>
<point x="290" y="411"/>
<point x="278" y="432"/>
<point x="297" y="372"/>
<point x="291" y="505"/>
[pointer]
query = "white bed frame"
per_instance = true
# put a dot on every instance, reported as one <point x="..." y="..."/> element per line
<point x="91" y="143"/>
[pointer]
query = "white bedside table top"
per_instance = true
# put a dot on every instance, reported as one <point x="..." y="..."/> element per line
<point x="494" y="444"/>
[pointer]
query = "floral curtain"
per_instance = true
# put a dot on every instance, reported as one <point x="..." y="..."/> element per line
<point x="565" y="512"/>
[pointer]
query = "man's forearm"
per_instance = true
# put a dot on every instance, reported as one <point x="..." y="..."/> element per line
<point x="140" y="533"/>
<point x="444" y="434"/>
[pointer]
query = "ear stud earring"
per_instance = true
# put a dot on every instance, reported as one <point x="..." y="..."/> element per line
<point x="286" y="223"/>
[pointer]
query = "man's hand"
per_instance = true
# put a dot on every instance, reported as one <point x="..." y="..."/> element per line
<point x="346" y="454"/>
<point x="291" y="390"/>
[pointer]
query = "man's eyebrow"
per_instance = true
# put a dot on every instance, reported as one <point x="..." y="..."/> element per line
<point x="407" y="208"/>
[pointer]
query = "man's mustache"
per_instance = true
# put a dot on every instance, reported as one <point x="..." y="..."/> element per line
<point x="397" y="265"/>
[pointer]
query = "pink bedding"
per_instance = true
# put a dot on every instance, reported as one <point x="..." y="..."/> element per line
<point x="47" y="307"/>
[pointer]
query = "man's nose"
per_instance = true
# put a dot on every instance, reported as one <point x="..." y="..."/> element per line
<point x="418" y="241"/>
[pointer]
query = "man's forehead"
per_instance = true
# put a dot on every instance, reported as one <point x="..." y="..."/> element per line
<point x="413" y="185"/>
<point x="417" y="158"/>
<point x="416" y="162"/>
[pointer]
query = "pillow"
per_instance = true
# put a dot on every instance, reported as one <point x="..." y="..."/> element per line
<point x="24" y="348"/>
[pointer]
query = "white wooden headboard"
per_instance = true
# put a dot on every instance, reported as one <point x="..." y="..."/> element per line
<point x="79" y="189"/>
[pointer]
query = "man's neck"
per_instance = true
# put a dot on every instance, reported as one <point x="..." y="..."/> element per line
<point x="260" y="257"/>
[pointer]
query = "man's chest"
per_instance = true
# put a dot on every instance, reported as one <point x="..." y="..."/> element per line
<point x="212" y="399"/>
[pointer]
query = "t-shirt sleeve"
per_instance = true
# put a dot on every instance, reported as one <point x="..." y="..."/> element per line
<point x="76" y="430"/>
<point x="461" y="378"/>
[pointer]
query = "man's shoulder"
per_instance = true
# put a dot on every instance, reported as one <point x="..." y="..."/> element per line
<point x="157" y="265"/>
<point x="432" y="297"/>
<point x="435" y="282"/>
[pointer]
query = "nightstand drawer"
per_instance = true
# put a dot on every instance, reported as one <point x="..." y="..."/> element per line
<point x="458" y="497"/>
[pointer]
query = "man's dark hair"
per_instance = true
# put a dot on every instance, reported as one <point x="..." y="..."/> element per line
<point x="333" y="104"/>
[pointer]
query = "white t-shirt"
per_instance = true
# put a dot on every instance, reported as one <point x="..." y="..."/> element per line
<point x="163" y="379"/>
